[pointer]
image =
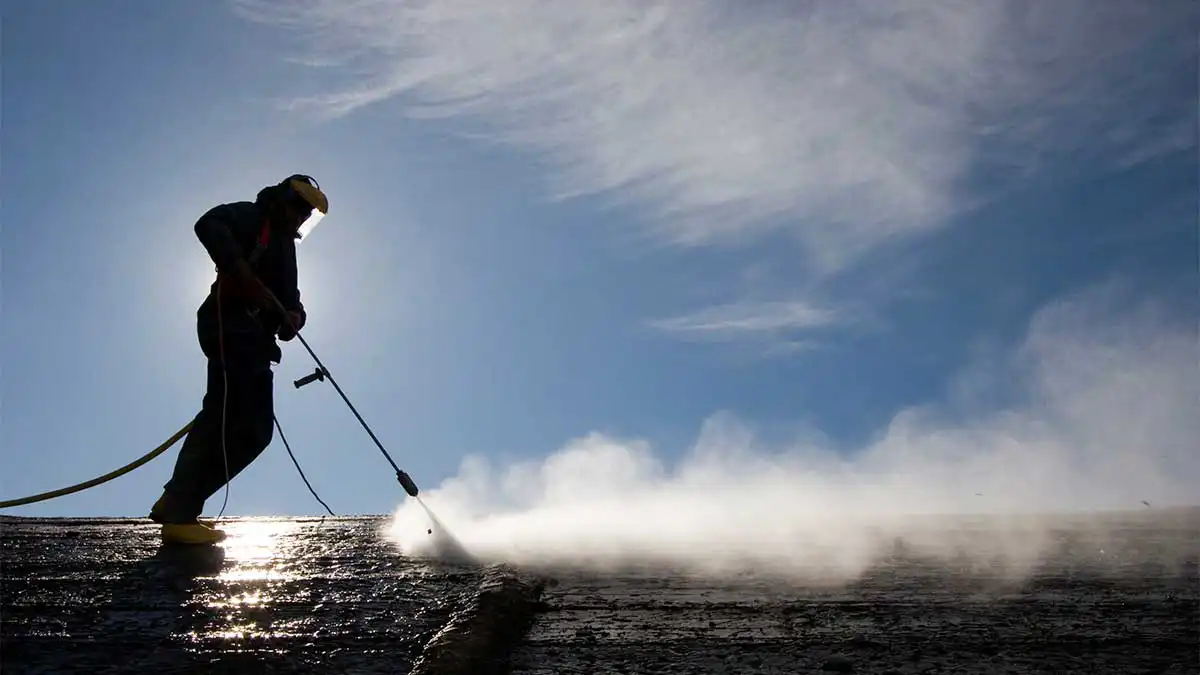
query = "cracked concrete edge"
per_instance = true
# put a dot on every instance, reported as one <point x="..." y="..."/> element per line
<point x="481" y="636"/>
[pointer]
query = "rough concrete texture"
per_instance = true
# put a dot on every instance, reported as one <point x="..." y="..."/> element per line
<point x="479" y="640"/>
<point x="1122" y="599"/>
<point x="279" y="596"/>
<point x="306" y="596"/>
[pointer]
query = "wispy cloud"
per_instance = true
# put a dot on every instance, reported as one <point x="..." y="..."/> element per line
<point x="843" y="125"/>
<point x="844" y="122"/>
<point x="750" y="317"/>
<point x="776" y="324"/>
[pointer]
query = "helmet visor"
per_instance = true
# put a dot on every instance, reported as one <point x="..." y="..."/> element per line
<point x="309" y="224"/>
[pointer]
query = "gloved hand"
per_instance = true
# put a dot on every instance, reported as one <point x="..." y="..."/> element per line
<point x="292" y="322"/>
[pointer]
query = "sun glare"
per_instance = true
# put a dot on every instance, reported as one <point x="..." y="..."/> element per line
<point x="252" y="545"/>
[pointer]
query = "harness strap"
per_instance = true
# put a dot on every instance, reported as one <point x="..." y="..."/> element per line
<point x="260" y="246"/>
<point x="264" y="238"/>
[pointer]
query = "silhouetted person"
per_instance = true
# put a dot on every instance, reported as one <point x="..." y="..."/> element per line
<point x="254" y="299"/>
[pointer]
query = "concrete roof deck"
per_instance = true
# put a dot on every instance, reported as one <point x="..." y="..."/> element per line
<point x="306" y="595"/>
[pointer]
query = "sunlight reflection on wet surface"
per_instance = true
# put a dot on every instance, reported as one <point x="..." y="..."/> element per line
<point x="254" y="547"/>
<point x="331" y="595"/>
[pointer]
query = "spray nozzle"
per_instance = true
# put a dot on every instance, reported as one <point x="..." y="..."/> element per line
<point x="407" y="483"/>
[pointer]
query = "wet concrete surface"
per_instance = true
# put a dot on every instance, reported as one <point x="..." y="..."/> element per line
<point x="279" y="596"/>
<point x="481" y="641"/>
<point x="1123" y="598"/>
<point x="334" y="596"/>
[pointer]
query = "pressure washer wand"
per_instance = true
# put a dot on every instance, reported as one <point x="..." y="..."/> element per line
<point x="322" y="372"/>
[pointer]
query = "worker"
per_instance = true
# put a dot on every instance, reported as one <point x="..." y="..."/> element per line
<point x="254" y="300"/>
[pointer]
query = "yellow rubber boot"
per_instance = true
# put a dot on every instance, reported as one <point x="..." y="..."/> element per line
<point x="191" y="534"/>
<point x="156" y="510"/>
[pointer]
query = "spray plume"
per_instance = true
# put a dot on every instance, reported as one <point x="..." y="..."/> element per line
<point x="1105" y="419"/>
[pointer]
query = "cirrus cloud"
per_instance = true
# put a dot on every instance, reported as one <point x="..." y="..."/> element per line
<point x="845" y="123"/>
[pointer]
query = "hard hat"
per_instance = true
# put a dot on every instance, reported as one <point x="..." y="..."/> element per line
<point x="304" y="189"/>
<point x="307" y="189"/>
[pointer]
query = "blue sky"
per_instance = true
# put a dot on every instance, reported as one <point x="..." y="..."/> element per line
<point x="635" y="221"/>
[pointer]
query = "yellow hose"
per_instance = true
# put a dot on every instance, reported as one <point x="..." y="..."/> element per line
<point x="106" y="477"/>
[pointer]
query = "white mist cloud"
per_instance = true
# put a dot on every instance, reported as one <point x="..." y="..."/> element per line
<point x="1106" y="418"/>
<point x="845" y="123"/>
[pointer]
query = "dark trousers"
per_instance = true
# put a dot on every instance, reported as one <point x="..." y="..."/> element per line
<point x="246" y="412"/>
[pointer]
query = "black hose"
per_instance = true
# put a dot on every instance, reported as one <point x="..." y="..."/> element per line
<point x="405" y="481"/>
<point x="302" y="476"/>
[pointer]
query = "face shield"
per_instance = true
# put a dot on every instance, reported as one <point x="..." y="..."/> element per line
<point x="308" y="197"/>
<point x="309" y="224"/>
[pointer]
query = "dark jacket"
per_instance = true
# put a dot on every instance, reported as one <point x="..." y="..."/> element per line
<point x="230" y="232"/>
